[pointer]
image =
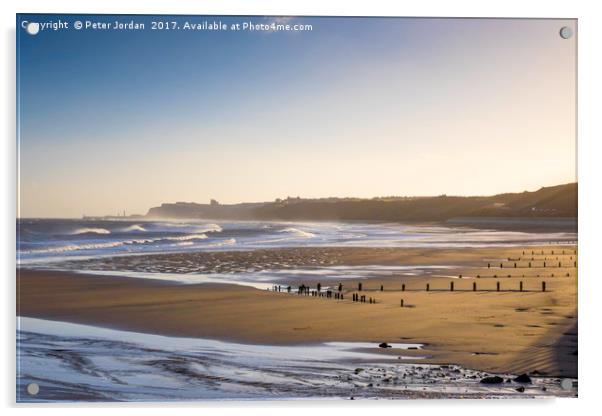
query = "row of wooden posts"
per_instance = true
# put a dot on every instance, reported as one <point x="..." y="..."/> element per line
<point x="474" y="287"/>
<point x="362" y="298"/>
<point x="305" y="290"/>
<point x="530" y="265"/>
<point x="551" y="253"/>
<point x="495" y="276"/>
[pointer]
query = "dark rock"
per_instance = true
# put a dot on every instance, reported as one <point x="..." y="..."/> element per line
<point x="523" y="378"/>
<point x="384" y="345"/>
<point x="492" y="380"/>
<point x="358" y="370"/>
<point x="520" y="389"/>
<point x="536" y="373"/>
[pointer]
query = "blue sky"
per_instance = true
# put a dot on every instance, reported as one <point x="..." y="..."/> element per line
<point x="113" y="120"/>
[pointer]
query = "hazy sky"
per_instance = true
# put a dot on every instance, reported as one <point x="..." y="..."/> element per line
<point x="113" y="120"/>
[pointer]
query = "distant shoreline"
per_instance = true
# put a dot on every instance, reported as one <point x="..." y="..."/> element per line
<point x="568" y="224"/>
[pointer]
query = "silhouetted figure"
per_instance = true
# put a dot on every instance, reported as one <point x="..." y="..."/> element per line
<point x="340" y="287"/>
<point x="319" y="287"/>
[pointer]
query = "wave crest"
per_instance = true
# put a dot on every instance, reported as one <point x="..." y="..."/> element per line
<point x="187" y="237"/>
<point x="135" y="227"/>
<point x="298" y="232"/>
<point x="90" y="231"/>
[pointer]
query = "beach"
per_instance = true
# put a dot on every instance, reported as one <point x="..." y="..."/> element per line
<point x="506" y="331"/>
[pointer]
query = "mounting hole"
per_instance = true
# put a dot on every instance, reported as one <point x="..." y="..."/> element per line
<point x="32" y="28"/>
<point x="566" y="384"/>
<point x="33" y="389"/>
<point x="566" y="32"/>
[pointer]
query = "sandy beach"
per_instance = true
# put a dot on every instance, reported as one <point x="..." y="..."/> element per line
<point x="489" y="330"/>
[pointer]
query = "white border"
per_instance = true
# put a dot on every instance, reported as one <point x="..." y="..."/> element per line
<point x="589" y="154"/>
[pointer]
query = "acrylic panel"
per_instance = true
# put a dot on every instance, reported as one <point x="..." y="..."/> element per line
<point x="269" y="208"/>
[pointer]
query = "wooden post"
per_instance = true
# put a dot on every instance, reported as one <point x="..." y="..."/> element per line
<point x="488" y="265"/>
<point x="501" y="266"/>
<point x="459" y="276"/>
<point x="403" y="287"/>
<point x="515" y="265"/>
<point x="451" y="286"/>
<point x="359" y="287"/>
<point x="340" y="287"/>
<point x="401" y="303"/>
<point x="382" y="288"/>
<point x="543" y="286"/>
<point x="498" y="286"/>
<point x="474" y="286"/>
<point x="521" y="286"/>
<point x="319" y="286"/>
<point x="529" y="264"/>
<point x="427" y="287"/>
<point x="544" y="264"/>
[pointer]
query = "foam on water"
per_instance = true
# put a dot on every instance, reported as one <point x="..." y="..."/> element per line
<point x="46" y="240"/>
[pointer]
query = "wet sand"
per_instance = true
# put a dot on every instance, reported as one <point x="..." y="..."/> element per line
<point x="507" y="331"/>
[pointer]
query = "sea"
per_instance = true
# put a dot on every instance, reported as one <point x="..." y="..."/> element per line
<point x="49" y="240"/>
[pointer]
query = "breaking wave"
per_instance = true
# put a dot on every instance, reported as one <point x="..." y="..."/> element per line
<point x="75" y="247"/>
<point x="187" y="237"/>
<point x="135" y="227"/>
<point x="298" y="232"/>
<point x="90" y="231"/>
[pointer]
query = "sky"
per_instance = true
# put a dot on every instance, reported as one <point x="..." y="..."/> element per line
<point x="114" y="120"/>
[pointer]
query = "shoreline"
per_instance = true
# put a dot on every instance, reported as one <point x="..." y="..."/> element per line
<point x="334" y="370"/>
<point x="506" y="331"/>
